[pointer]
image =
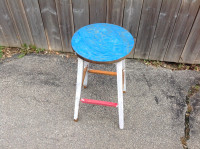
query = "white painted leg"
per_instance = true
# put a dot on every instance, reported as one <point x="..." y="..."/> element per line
<point x="86" y="64"/>
<point x="78" y="87"/>
<point x="120" y="95"/>
<point x="124" y="75"/>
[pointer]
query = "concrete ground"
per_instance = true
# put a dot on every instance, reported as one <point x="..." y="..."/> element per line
<point x="37" y="102"/>
<point x="194" y="141"/>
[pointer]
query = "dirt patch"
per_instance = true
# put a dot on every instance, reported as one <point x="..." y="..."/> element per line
<point x="171" y="65"/>
<point x="7" y="52"/>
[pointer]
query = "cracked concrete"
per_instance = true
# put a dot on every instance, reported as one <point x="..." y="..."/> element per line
<point x="194" y="141"/>
<point x="37" y="102"/>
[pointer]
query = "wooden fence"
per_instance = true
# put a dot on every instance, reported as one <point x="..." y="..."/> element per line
<point x="166" y="30"/>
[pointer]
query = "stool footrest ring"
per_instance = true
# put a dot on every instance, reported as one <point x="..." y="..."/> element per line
<point x="98" y="102"/>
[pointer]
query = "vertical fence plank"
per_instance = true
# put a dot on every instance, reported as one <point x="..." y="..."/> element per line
<point x="50" y="21"/>
<point x="35" y="23"/>
<point x="18" y="13"/>
<point x="80" y="12"/>
<point x="197" y="60"/>
<point x="97" y="11"/>
<point x="147" y="27"/>
<point x="182" y="29"/>
<point x="192" y="47"/>
<point x="3" y="41"/>
<point x="132" y="12"/>
<point x="166" y="20"/>
<point x="131" y="19"/>
<point x="115" y="10"/>
<point x="7" y="25"/>
<point x="65" y="19"/>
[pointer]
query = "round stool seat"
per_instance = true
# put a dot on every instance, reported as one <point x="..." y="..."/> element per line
<point x="102" y="43"/>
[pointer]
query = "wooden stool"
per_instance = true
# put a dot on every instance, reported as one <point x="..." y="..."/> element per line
<point x="102" y="43"/>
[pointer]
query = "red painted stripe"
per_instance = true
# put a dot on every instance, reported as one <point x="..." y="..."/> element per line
<point x="98" y="102"/>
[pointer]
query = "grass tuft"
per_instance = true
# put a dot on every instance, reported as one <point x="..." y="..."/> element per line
<point x="1" y="52"/>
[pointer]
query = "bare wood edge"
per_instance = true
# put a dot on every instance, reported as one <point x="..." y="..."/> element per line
<point x="84" y="72"/>
<point x="103" y="72"/>
<point x="109" y="62"/>
<point x="76" y="120"/>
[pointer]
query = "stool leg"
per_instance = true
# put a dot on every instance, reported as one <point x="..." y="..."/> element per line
<point x="85" y="81"/>
<point x="78" y="88"/>
<point x="124" y="75"/>
<point x="120" y="95"/>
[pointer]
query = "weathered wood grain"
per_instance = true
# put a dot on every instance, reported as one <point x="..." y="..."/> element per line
<point x="115" y="10"/>
<point x="34" y="18"/>
<point x="65" y="19"/>
<point x="197" y="60"/>
<point x="182" y="29"/>
<point x="7" y="25"/>
<point x="131" y="19"/>
<point x="81" y="13"/>
<point x="97" y="11"/>
<point x="132" y="13"/>
<point x="165" y="25"/>
<point x="19" y="16"/>
<point x="192" y="47"/>
<point x="50" y="21"/>
<point x="3" y="41"/>
<point x="150" y="13"/>
<point x="163" y="29"/>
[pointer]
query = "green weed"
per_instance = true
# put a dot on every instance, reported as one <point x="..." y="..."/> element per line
<point x="27" y="49"/>
<point x="1" y="51"/>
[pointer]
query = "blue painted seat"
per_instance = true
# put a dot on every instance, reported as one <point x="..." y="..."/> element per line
<point x="102" y="43"/>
